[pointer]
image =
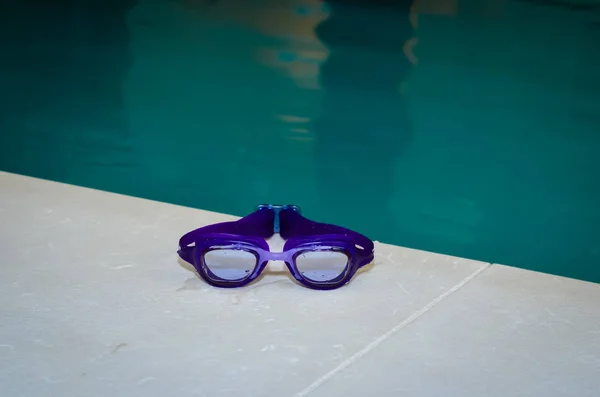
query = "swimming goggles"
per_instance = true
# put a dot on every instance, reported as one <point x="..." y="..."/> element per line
<point x="233" y="254"/>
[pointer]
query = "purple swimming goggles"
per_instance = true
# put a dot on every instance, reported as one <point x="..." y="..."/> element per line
<point x="233" y="254"/>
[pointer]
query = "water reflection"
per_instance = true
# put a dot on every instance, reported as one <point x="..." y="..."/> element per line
<point x="63" y="64"/>
<point x="364" y="125"/>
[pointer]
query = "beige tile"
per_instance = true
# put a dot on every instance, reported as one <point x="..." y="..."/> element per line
<point x="95" y="303"/>
<point x="508" y="332"/>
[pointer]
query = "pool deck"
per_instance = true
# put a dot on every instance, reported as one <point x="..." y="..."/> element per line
<point x="96" y="303"/>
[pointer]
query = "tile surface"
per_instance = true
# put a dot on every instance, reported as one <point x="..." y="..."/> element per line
<point x="95" y="302"/>
<point x="508" y="332"/>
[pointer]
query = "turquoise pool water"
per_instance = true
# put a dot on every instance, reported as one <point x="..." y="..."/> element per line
<point x="470" y="128"/>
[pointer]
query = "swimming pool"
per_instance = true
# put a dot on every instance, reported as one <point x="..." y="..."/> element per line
<point x="466" y="128"/>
